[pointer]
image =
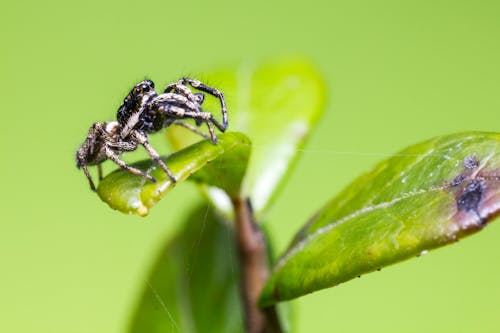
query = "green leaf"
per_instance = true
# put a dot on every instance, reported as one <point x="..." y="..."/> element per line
<point x="276" y="104"/>
<point x="193" y="286"/>
<point x="428" y="195"/>
<point x="227" y="172"/>
<point x="132" y="194"/>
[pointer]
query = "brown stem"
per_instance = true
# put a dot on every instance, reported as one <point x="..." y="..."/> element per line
<point x="255" y="270"/>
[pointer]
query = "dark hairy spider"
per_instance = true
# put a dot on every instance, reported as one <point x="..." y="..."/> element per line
<point x="143" y="112"/>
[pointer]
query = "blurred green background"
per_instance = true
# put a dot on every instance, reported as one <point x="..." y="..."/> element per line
<point x="398" y="72"/>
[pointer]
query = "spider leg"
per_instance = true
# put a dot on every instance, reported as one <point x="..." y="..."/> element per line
<point x="189" y="127"/>
<point x="122" y="145"/>
<point x="180" y="87"/>
<point x="86" y="152"/>
<point x="207" y="118"/>
<point x="143" y="140"/>
<point x="200" y="96"/>
<point x="213" y="138"/>
<point x="99" y="171"/>
<point x="220" y="126"/>
<point x="179" y="112"/>
<point x="214" y="92"/>
<point x="178" y="99"/>
<point x="89" y="177"/>
<point x="112" y="156"/>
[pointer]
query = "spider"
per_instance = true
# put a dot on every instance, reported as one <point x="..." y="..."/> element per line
<point x="143" y="112"/>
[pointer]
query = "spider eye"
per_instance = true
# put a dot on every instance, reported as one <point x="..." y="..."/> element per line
<point x="147" y="85"/>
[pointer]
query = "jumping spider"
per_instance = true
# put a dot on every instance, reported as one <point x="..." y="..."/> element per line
<point x="144" y="111"/>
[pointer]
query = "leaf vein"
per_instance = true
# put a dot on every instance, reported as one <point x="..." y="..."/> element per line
<point x="300" y="245"/>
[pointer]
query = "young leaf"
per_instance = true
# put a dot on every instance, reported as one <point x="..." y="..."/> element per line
<point x="429" y="195"/>
<point x="132" y="194"/>
<point x="276" y="104"/>
<point x="194" y="283"/>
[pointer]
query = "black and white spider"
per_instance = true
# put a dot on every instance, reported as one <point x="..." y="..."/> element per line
<point x="144" y="111"/>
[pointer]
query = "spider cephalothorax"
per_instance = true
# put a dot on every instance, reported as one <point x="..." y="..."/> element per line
<point x="144" y="111"/>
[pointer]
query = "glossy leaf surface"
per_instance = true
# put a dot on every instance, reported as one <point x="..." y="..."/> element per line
<point x="428" y="195"/>
<point x="193" y="286"/>
<point x="276" y="104"/>
<point x="132" y="194"/>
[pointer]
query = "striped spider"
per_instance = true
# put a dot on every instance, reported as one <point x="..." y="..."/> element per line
<point x="144" y="112"/>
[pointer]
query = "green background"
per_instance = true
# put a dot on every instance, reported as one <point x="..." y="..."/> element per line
<point x="398" y="72"/>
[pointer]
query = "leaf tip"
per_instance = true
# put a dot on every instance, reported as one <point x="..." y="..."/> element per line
<point x="142" y="211"/>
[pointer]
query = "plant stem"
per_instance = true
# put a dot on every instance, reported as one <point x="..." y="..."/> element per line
<point x="255" y="270"/>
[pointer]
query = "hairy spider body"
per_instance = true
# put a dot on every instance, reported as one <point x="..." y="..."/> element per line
<point x="143" y="112"/>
